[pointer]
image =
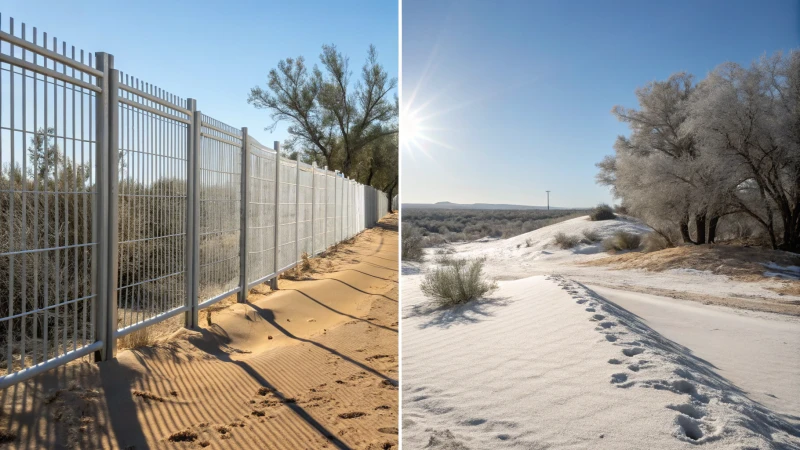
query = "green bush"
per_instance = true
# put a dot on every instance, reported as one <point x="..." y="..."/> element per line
<point x="602" y="212"/>
<point x="622" y="240"/>
<point x="458" y="282"/>
<point x="566" y="241"/>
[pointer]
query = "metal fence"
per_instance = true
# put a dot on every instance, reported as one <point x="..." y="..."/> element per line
<point x="122" y="205"/>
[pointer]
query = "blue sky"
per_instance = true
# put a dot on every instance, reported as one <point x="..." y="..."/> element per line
<point x="515" y="96"/>
<point x="215" y="52"/>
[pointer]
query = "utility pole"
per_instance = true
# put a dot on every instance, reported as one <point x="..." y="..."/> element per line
<point x="548" y="200"/>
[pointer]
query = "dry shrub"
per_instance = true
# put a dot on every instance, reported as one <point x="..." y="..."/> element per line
<point x="412" y="243"/>
<point x="591" y="235"/>
<point x="653" y="242"/>
<point x="306" y="264"/>
<point x="457" y="283"/>
<point x="622" y="240"/>
<point x="143" y="337"/>
<point x="602" y="212"/>
<point x="566" y="241"/>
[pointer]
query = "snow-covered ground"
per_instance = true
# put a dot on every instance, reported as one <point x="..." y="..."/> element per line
<point x="535" y="253"/>
<point x="550" y="362"/>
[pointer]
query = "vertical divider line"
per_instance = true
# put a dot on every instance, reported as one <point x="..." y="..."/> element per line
<point x="243" y="209"/>
<point x="192" y="206"/>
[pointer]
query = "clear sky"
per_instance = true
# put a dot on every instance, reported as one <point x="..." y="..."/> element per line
<point x="515" y="96"/>
<point x="216" y="51"/>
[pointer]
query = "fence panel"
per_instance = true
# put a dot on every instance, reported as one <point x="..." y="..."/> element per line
<point x="330" y="193"/>
<point x="261" y="213"/>
<point x="304" y="212"/>
<point x="50" y="165"/>
<point x="80" y="267"/>
<point x="320" y="209"/>
<point x="153" y="201"/>
<point x="220" y="199"/>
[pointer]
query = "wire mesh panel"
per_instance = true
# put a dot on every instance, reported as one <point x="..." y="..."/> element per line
<point x="261" y="213"/>
<point x="287" y="212"/>
<point x="48" y="190"/>
<point x="330" y="218"/>
<point x="220" y="198"/>
<point x="320" y="200"/>
<point x="153" y="143"/>
<point x="304" y="208"/>
<point x="339" y="208"/>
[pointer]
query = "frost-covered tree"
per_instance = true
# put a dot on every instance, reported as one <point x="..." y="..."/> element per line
<point x="729" y="145"/>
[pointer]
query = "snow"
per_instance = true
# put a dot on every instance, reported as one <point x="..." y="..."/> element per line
<point x="786" y="272"/>
<point x="547" y="362"/>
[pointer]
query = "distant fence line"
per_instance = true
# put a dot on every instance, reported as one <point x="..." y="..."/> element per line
<point x="123" y="205"/>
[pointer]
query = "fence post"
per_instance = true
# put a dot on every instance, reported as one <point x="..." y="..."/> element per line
<point x="313" y="206"/>
<point x="273" y="284"/>
<point x="297" y="212"/>
<point x="192" y="212"/>
<point x="103" y="221"/>
<point x="245" y="183"/>
<point x="325" y="222"/>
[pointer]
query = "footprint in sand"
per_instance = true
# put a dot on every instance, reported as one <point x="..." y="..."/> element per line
<point x="619" y="378"/>
<point x="590" y="309"/>
<point x="614" y="361"/>
<point x="597" y="317"/>
<point x="632" y="351"/>
<point x="611" y="338"/>
<point x="581" y="301"/>
<point x="607" y="324"/>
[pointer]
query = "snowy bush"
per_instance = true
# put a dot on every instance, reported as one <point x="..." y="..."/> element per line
<point x="566" y="241"/>
<point x="622" y="240"/>
<point x="602" y="212"/>
<point x="458" y="282"/>
<point x="591" y="236"/>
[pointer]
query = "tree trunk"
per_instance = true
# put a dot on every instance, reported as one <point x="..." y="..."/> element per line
<point x="687" y="239"/>
<point x="700" y="226"/>
<point x="712" y="229"/>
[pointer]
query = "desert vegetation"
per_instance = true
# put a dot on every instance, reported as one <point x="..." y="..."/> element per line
<point x="719" y="158"/>
<point x="412" y="243"/>
<point x="621" y="241"/>
<point x="457" y="281"/>
<point x="602" y="212"/>
<point x="444" y="225"/>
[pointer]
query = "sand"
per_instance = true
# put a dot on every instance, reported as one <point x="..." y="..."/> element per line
<point x="313" y="365"/>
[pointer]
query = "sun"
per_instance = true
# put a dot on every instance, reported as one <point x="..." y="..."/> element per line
<point x="410" y="129"/>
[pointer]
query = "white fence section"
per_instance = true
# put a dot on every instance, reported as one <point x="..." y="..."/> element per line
<point x="122" y="205"/>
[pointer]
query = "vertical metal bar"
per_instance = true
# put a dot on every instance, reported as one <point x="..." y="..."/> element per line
<point x="243" y="209"/>
<point x="313" y="206"/>
<point x="325" y="222"/>
<point x="192" y="213"/>
<point x="297" y="211"/>
<point x="101" y="219"/>
<point x="274" y="282"/>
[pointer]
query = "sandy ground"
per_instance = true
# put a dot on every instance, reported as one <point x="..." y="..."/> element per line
<point x="313" y="365"/>
<point x="570" y="355"/>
